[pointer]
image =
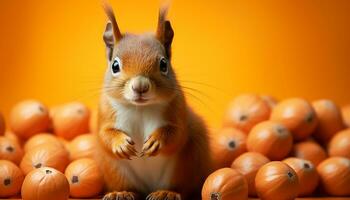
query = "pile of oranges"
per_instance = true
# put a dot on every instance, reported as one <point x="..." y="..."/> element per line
<point x="48" y="154"/>
<point x="280" y="150"/>
<point x="267" y="149"/>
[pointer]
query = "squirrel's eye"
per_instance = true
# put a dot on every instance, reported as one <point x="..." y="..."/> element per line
<point x="116" y="66"/>
<point x="163" y="66"/>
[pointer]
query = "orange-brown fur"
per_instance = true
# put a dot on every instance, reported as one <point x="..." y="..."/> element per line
<point x="184" y="136"/>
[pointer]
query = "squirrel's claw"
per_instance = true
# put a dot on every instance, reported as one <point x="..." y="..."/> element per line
<point x="120" y="195"/>
<point x="164" y="195"/>
<point x="151" y="147"/>
<point x="124" y="149"/>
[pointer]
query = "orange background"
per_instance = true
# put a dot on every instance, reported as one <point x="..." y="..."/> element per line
<point x="53" y="50"/>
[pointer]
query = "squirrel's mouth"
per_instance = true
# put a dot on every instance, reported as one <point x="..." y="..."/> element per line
<point x="140" y="100"/>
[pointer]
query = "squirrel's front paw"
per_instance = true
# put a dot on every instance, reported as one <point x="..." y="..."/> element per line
<point x="152" y="145"/>
<point x="123" y="146"/>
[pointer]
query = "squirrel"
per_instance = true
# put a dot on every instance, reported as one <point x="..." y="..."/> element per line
<point x="150" y="143"/>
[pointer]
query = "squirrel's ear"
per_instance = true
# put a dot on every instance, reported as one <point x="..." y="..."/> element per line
<point x="112" y="33"/>
<point x="165" y="32"/>
<point x="108" y="38"/>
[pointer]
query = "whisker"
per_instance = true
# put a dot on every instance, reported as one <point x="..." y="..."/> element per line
<point x="191" y="96"/>
<point x="223" y="92"/>
<point x="97" y="91"/>
<point x="197" y="91"/>
<point x="199" y="83"/>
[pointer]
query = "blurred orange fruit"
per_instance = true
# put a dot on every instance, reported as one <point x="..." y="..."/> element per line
<point x="28" y="118"/>
<point x="346" y="115"/>
<point x="45" y="156"/>
<point x="334" y="174"/>
<point x="340" y="144"/>
<point x="307" y="175"/>
<point x="10" y="150"/>
<point x="11" y="178"/>
<point x="245" y="111"/>
<point x="71" y="120"/>
<point x="309" y="150"/>
<point x="225" y="184"/>
<point x="330" y="120"/>
<point x="276" y="181"/>
<point x="40" y="139"/>
<point x="271" y="139"/>
<point x="85" y="178"/>
<point x="226" y="145"/>
<point x="10" y="135"/>
<point x="45" y="184"/>
<point x="297" y="115"/>
<point x="83" y="146"/>
<point x="248" y="165"/>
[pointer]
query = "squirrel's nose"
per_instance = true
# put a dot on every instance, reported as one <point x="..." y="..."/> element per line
<point x="140" y="88"/>
<point x="141" y="85"/>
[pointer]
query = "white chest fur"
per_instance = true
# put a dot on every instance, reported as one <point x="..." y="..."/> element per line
<point x="147" y="173"/>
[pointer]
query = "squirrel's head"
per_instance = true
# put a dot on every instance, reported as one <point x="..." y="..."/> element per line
<point x="139" y="69"/>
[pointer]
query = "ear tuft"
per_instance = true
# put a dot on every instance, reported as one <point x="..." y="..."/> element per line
<point x="111" y="16"/>
<point x="112" y="33"/>
<point x="168" y="34"/>
<point x="164" y="32"/>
